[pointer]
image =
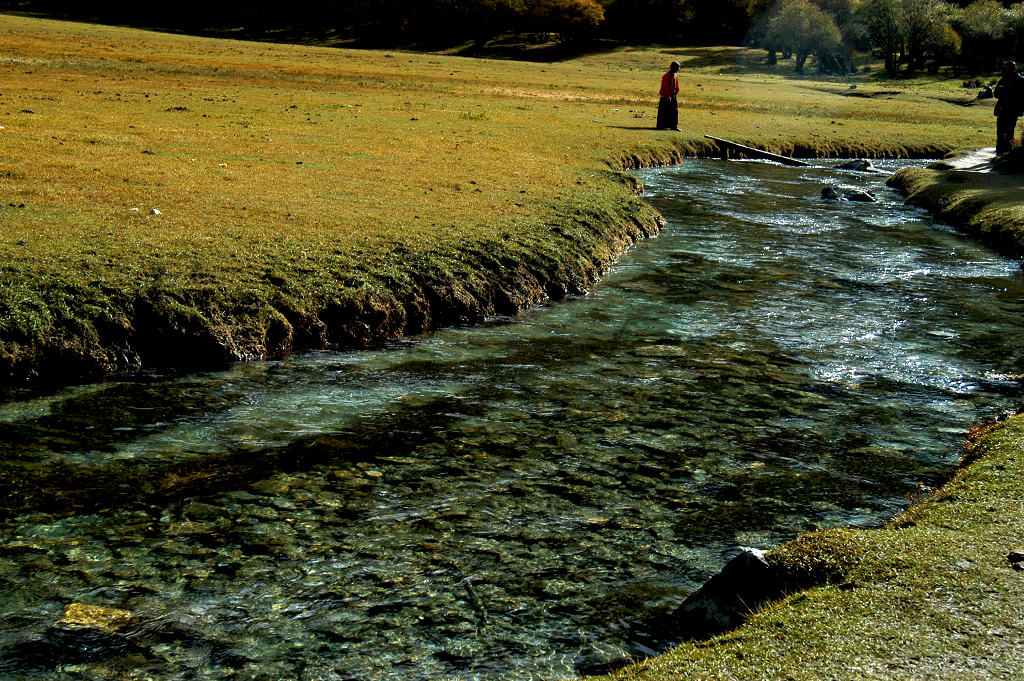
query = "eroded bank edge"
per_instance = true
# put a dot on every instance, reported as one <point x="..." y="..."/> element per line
<point x="974" y="203"/>
<point x="94" y="334"/>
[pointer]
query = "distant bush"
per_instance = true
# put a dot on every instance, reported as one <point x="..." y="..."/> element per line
<point x="567" y="19"/>
<point x="802" y="29"/>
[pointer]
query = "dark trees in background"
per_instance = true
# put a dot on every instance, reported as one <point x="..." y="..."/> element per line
<point x="801" y="28"/>
<point x="693" y="22"/>
<point x="983" y="25"/>
<point x="970" y="35"/>
<point x="385" y="22"/>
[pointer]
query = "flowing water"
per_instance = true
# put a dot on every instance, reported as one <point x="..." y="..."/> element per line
<point x="513" y="500"/>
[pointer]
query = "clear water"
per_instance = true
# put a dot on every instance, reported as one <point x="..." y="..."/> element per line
<point x="513" y="500"/>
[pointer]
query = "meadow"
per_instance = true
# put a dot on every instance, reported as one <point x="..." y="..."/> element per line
<point x="179" y="201"/>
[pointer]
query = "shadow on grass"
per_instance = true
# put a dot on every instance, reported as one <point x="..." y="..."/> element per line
<point x="547" y="52"/>
<point x="721" y="56"/>
<point x="634" y="127"/>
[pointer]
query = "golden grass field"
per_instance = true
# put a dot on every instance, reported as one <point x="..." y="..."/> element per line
<point x="314" y="197"/>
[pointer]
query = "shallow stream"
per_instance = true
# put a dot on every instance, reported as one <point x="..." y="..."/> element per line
<point x="513" y="500"/>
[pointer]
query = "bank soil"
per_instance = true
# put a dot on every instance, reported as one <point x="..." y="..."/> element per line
<point x="199" y="328"/>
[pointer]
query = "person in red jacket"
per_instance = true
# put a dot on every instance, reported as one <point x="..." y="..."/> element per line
<point x="668" y="107"/>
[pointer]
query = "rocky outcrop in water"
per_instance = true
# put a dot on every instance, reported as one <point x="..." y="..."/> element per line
<point x="862" y="165"/>
<point x="840" y="193"/>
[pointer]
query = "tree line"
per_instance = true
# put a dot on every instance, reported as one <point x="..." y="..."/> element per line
<point x="911" y="35"/>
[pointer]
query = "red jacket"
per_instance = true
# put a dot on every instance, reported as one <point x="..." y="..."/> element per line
<point x="669" y="84"/>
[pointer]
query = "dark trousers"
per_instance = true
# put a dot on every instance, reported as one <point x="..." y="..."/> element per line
<point x="1006" y="125"/>
<point x="668" y="113"/>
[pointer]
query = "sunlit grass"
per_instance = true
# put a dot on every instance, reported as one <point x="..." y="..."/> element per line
<point x="337" y="171"/>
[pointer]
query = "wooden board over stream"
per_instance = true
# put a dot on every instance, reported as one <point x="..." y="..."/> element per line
<point x="751" y="152"/>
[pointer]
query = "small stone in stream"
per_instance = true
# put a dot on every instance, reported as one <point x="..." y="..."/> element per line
<point x="1016" y="556"/>
<point x="860" y="164"/>
<point x="846" y="194"/>
<point x="19" y="548"/>
<point x="241" y="495"/>
<point x="95" y="617"/>
<point x="859" y="195"/>
<point x="200" y="511"/>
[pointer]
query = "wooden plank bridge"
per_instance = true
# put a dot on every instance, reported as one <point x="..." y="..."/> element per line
<point x="725" y="146"/>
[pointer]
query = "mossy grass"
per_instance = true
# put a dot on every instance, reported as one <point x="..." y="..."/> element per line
<point x="313" y="197"/>
<point x="932" y="595"/>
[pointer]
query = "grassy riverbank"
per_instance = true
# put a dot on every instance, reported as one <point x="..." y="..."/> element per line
<point x="311" y="197"/>
<point x="932" y="595"/>
<point x="984" y="201"/>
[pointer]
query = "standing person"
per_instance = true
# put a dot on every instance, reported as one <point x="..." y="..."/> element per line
<point x="668" y="106"/>
<point x="1010" y="93"/>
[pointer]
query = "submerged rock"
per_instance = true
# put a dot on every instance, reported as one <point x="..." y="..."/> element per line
<point x="729" y="597"/>
<point x="83" y="616"/>
<point x="834" y="193"/>
<point x="602" y="659"/>
<point x="859" y="164"/>
<point x="83" y="634"/>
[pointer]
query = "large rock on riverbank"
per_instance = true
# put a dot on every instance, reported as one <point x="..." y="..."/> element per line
<point x="746" y="582"/>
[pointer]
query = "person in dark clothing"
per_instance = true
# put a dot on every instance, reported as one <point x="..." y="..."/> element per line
<point x="1010" y="93"/>
<point x="668" y="107"/>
